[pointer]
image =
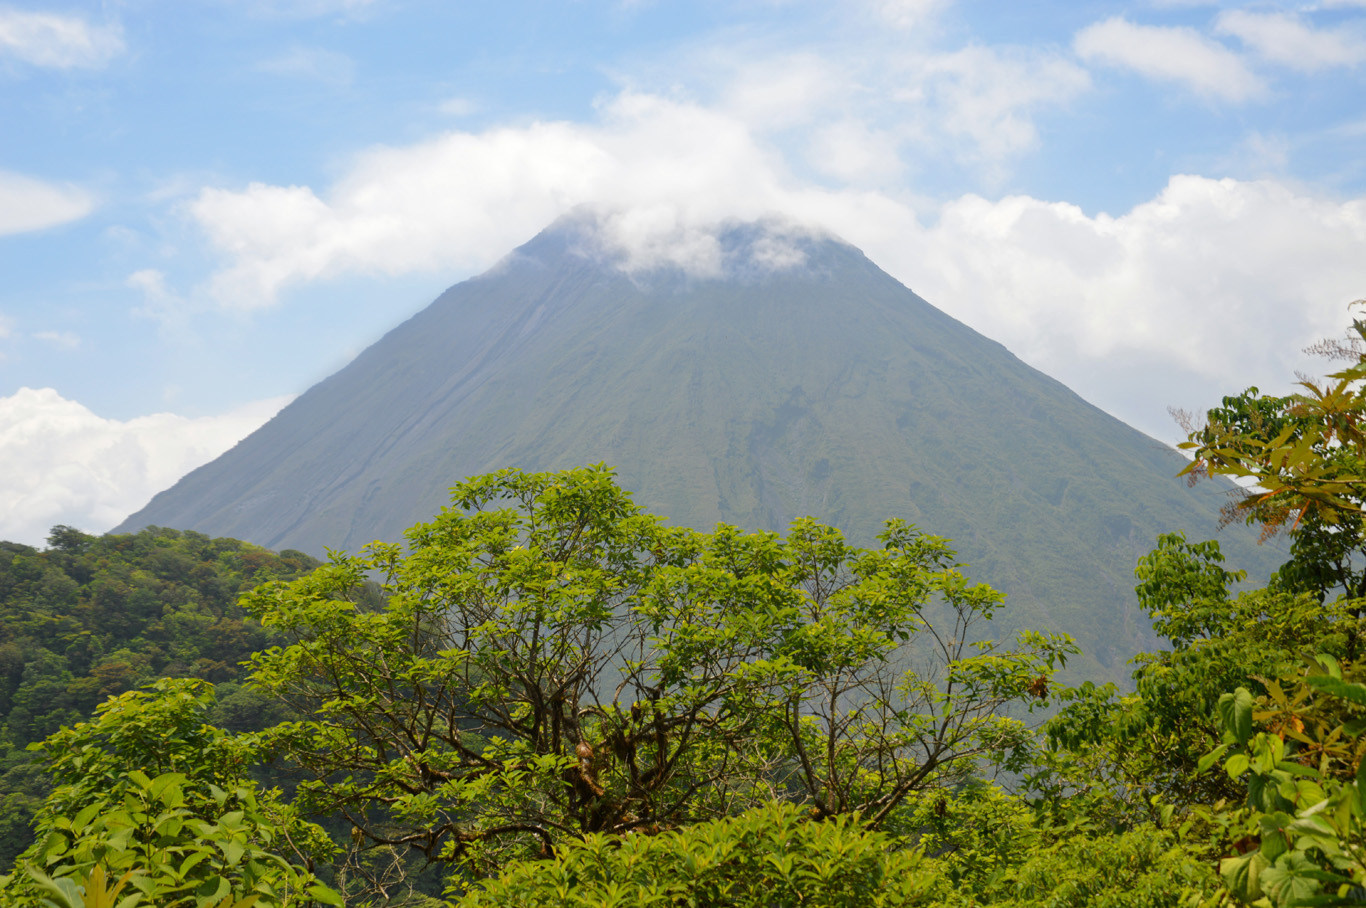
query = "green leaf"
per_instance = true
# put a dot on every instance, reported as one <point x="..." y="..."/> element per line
<point x="83" y="819"/>
<point x="54" y="846"/>
<point x="1347" y="690"/>
<point x="233" y="851"/>
<point x="1241" y="875"/>
<point x="165" y="787"/>
<point x="1292" y="880"/>
<point x="212" y="890"/>
<point x="62" y="891"/>
<point x="191" y="862"/>
<point x="320" y="893"/>
<point x="1235" y="714"/>
<point x="1212" y="757"/>
<point x="1237" y="765"/>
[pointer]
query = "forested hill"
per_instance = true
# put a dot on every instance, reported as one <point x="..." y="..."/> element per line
<point x="94" y="616"/>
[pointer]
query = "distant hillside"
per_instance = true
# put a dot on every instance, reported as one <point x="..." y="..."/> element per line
<point x="91" y="617"/>
<point x="817" y="386"/>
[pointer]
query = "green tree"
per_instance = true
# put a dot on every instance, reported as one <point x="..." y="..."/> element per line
<point x="1298" y="835"/>
<point x="95" y="616"/>
<point x="1306" y="455"/>
<point x="150" y="796"/>
<point x="1306" y="452"/>
<point x="549" y="661"/>
<point x="1136" y="754"/>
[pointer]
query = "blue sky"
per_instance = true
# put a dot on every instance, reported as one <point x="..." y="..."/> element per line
<point x="206" y="207"/>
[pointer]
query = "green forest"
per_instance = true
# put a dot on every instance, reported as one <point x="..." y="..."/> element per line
<point x="547" y="696"/>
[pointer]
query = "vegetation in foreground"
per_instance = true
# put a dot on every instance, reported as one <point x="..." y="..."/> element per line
<point x="553" y="698"/>
<point x="93" y="617"/>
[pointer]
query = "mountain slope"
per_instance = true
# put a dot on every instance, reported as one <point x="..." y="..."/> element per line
<point x="801" y="379"/>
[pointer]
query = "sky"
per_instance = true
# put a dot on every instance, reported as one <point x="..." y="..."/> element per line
<point x="207" y="207"/>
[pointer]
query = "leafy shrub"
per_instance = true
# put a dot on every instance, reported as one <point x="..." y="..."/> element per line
<point x="1145" y="867"/>
<point x="1300" y="838"/>
<point x="186" y="828"/>
<point x="770" y="857"/>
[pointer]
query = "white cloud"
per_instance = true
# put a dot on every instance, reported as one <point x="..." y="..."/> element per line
<point x="461" y="200"/>
<point x="60" y="463"/>
<point x="852" y="152"/>
<point x="907" y="13"/>
<point x="976" y="105"/>
<point x="989" y="95"/>
<point x="1170" y="301"/>
<point x="61" y="42"/>
<point x="1217" y="283"/>
<point x="1180" y="55"/>
<point x="29" y="204"/>
<point x="159" y="302"/>
<point x="63" y="340"/>
<point x="1256" y="156"/>
<point x="314" y="63"/>
<point x="1287" y="40"/>
<point x="782" y="91"/>
<point x="458" y="107"/>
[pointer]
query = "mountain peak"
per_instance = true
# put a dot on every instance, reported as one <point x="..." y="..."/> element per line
<point x="748" y="373"/>
<point x="659" y="245"/>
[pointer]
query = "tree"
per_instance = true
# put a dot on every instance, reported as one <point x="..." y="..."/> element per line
<point x="1299" y="835"/>
<point x="1306" y="454"/>
<point x="1289" y="809"/>
<point x="95" y="616"/>
<point x="150" y="799"/>
<point x="1139" y="753"/>
<point x="68" y="539"/>
<point x="549" y="662"/>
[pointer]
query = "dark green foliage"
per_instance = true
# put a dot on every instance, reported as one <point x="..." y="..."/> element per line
<point x="93" y="617"/>
<point x="988" y="850"/>
<point x="988" y="846"/>
<point x="1297" y="835"/>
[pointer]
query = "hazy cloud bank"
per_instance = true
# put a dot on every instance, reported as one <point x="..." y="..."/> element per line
<point x="1175" y="54"/>
<point x="1211" y="286"/>
<point x="62" y="464"/>
<point x="1288" y="41"/>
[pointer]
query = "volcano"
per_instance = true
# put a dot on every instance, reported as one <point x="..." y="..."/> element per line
<point x="787" y="376"/>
